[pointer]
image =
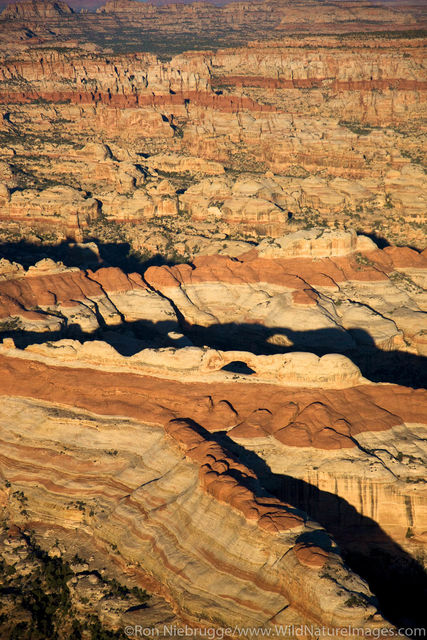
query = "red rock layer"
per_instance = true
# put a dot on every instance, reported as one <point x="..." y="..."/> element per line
<point x="21" y="295"/>
<point x="293" y="273"/>
<point x="226" y="104"/>
<point x="218" y="477"/>
<point x="296" y="417"/>
<point x="310" y="555"/>
<point x="18" y="296"/>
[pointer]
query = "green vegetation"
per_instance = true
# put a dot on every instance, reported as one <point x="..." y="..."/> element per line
<point x="403" y="279"/>
<point x="356" y="127"/>
<point x="388" y="203"/>
<point x="44" y="607"/>
<point x="128" y="39"/>
<point x="386" y="35"/>
<point x="43" y="593"/>
<point x="363" y="260"/>
<point x="32" y="141"/>
<point x="355" y="600"/>
<point x="123" y="255"/>
<point x="121" y="590"/>
<point x="10" y="325"/>
<point x="106" y="231"/>
<point x="414" y="157"/>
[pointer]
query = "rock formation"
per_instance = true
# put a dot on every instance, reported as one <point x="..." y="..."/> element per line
<point x="210" y="423"/>
<point x="312" y="290"/>
<point x="273" y="136"/>
<point x="212" y="317"/>
<point x="147" y="505"/>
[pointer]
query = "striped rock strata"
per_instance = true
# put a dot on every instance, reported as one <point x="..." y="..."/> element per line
<point x="172" y="506"/>
<point x="310" y="290"/>
<point x="181" y="448"/>
<point x="52" y="298"/>
<point x="332" y="371"/>
<point x="315" y="130"/>
<point x="147" y="501"/>
<point x="305" y="418"/>
<point x="316" y="291"/>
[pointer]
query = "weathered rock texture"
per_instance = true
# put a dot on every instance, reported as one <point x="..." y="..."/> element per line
<point x="310" y="290"/>
<point x="150" y="510"/>
<point x="209" y="424"/>
<point x="230" y="22"/>
<point x="266" y="138"/>
<point x="215" y="428"/>
<point x="317" y="290"/>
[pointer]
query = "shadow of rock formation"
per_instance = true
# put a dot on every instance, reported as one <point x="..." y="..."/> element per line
<point x="394" y="576"/>
<point x="395" y="367"/>
<point x="128" y="338"/>
<point x="88" y="255"/>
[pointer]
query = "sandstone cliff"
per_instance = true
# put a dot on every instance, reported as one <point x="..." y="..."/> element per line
<point x="212" y="350"/>
<point x="290" y="132"/>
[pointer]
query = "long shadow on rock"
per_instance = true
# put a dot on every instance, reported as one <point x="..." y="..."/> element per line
<point x="72" y="254"/>
<point x="380" y="241"/>
<point x="394" y="576"/>
<point x="395" y="367"/>
<point x="128" y="338"/>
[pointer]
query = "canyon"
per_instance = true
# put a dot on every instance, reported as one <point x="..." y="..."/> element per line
<point x="213" y="331"/>
<point x="310" y="132"/>
<point x="213" y="370"/>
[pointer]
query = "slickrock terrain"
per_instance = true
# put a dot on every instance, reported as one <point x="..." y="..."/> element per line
<point x="117" y="421"/>
<point x="315" y="290"/>
<point x="135" y="510"/>
<point x="213" y="333"/>
<point x="255" y="140"/>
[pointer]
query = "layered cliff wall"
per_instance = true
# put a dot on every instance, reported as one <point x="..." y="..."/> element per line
<point x="301" y="132"/>
<point x="147" y="514"/>
<point x="117" y="420"/>
<point x="146" y="505"/>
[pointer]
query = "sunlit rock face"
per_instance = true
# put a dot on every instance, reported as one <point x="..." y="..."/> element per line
<point x="146" y="501"/>
<point x="263" y="138"/>
<point x="321" y="291"/>
<point x="212" y="317"/>
<point x="316" y="290"/>
<point x="252" y="432"/>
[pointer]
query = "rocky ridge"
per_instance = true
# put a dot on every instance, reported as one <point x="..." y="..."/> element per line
<point x="210" y="447"/>
<point x="154" y="534"/>
<point x="311" y="290"/>
<point x="263" y="139"/>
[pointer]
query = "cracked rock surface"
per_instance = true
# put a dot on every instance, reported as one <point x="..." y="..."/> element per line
<point x="162" y="412"/>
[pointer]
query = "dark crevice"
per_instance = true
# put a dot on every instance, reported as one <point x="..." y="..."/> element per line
<point x="393" y="575"/>
<point x="398" y="580"/>
<point x="238" y="367"/>
<point x="119" y="313"/>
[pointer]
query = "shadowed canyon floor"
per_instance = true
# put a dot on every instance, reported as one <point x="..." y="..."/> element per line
<point x="213" y="334"/>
